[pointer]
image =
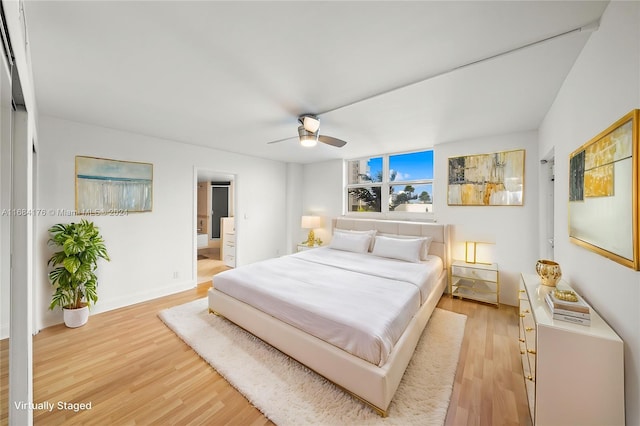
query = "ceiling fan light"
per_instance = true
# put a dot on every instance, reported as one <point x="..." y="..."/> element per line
<point x="307" y="138"/>
<point x="308" y="141"/>
<point x="311" y="124"/>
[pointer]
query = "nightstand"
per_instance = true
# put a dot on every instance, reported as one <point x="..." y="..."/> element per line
<point x="476" y="281"/>
<point x="304" y="246"/>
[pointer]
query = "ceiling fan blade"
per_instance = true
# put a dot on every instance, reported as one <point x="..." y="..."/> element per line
<point x="282" y="140"/>
<point x="338" y="143"/>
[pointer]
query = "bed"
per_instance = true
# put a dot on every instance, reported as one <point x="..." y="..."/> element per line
<point x="299" y="303"/>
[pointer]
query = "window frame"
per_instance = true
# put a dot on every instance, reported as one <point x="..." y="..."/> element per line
<point x="385" y="185"/>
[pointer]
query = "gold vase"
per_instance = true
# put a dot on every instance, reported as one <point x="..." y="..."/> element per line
<point x="549" y="272"/>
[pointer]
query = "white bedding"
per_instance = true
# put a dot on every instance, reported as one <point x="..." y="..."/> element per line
<point x="358" y="302"/>
<point x="423" y="275"/>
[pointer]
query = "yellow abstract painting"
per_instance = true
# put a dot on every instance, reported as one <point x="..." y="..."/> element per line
<point x="598" y="182"/>
<point x="495" y="179"/>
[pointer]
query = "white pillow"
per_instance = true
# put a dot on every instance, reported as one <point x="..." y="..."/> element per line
<point x="371" y="233"/>
<point x="397" y="248"/>
<point x="357" y="243"/>
<point x="426" y="243"/>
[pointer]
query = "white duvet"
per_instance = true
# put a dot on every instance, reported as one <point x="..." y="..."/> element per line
<point x="358" y="302"/>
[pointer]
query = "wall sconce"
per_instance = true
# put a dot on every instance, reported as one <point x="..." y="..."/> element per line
<point x="310" y="223"/>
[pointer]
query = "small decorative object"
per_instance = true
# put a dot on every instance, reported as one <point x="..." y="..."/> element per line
<point x="73" y="276"/>
<point x="549" y="272"/>
<point x="566" y="295"/>
<point x="603" y="192"/>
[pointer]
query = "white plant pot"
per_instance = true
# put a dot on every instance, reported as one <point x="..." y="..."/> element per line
<point x="74" y="318"/>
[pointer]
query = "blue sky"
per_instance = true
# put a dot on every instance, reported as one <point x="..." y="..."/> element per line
<point x="415" y="165"/>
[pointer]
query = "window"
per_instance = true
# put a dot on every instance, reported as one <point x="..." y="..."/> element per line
<point x="405" y="179"/>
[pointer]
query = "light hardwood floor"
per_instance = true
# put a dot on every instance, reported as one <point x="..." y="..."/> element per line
<point x="134" y="370"/>
<point x="208" y="268"/>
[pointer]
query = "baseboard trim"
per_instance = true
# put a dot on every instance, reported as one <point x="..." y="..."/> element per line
<point x="109" y="305"/>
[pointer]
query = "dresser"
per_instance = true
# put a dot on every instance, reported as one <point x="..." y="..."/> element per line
<point x="228" y="233"/>
<point x="573" y="374"/>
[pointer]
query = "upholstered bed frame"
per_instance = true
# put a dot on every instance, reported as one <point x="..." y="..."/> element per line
<point x="371" y="384"/>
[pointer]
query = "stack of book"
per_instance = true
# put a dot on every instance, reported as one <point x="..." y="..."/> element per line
<point x="577" y="312"/>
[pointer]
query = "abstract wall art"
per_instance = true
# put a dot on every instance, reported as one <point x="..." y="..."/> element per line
<point x="113" y="187"/>
<point x="603" y="192"/>
<point x="495" y="179"/>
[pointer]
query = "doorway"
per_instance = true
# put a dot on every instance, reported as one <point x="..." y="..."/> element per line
<point x="214" y="205"/>
<point x="547" y="172"/>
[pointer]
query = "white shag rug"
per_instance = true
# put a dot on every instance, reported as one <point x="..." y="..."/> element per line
<point x="290" y="394"/>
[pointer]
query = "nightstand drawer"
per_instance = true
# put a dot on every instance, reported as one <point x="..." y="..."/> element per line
<point x="474" y="273"/>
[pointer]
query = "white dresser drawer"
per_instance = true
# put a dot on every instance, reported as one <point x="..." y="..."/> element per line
<point x="229" y="250"/>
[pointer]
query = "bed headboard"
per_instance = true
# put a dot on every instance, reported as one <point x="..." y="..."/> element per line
<point x="438" y="232"/>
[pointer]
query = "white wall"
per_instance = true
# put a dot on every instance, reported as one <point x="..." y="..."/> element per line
<point x="603" y="85"/>
<point x="294" y="205"/>
<point x="322" y="195"/>
<point x="512" y="229"/>
<point x="147" y="249"/>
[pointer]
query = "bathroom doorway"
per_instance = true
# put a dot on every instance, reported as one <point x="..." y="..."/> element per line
<point x="214" y="207"/>
<point x="547" y="206"/>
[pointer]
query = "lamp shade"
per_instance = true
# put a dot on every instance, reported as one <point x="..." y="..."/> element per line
<point x="478" y="252"/>
<point x="470" y="251"/>
<point x="310" y="222"/>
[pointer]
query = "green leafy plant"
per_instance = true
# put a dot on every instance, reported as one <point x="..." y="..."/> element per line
<point x="75" y="264"/>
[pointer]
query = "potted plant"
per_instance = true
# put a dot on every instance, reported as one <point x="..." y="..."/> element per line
<point x="74" y="266"/>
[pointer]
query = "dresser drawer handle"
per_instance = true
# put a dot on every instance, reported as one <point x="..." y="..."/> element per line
<point x="530" y="378"/>
<point x="528" y="329"/>
<point x="522" y="315"/>
<point x="522" y="352"/>
<point x="531" y="351"/>
<point x="521" y="340"/>
<point x="526" y="311"/>
<point x="522" y="291"/>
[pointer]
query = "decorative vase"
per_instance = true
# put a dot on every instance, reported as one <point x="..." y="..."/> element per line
<point x="74" y="318"/>
<point x="549" y="272"/>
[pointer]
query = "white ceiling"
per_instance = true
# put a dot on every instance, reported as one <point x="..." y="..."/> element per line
<point x="235" y="75"/>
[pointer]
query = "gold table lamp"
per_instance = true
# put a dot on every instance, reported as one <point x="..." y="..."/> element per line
<point x="310" y="223"/>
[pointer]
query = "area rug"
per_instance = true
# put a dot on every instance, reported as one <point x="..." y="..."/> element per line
<point x="288" y="393"/>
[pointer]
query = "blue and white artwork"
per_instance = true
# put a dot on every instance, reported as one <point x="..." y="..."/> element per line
<point x="111" y="186"/>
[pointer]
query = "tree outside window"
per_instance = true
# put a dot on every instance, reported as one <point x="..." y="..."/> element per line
<point x="405" y="179"/>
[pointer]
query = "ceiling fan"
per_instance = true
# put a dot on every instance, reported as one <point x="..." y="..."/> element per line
<point x="308" y="133"/>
